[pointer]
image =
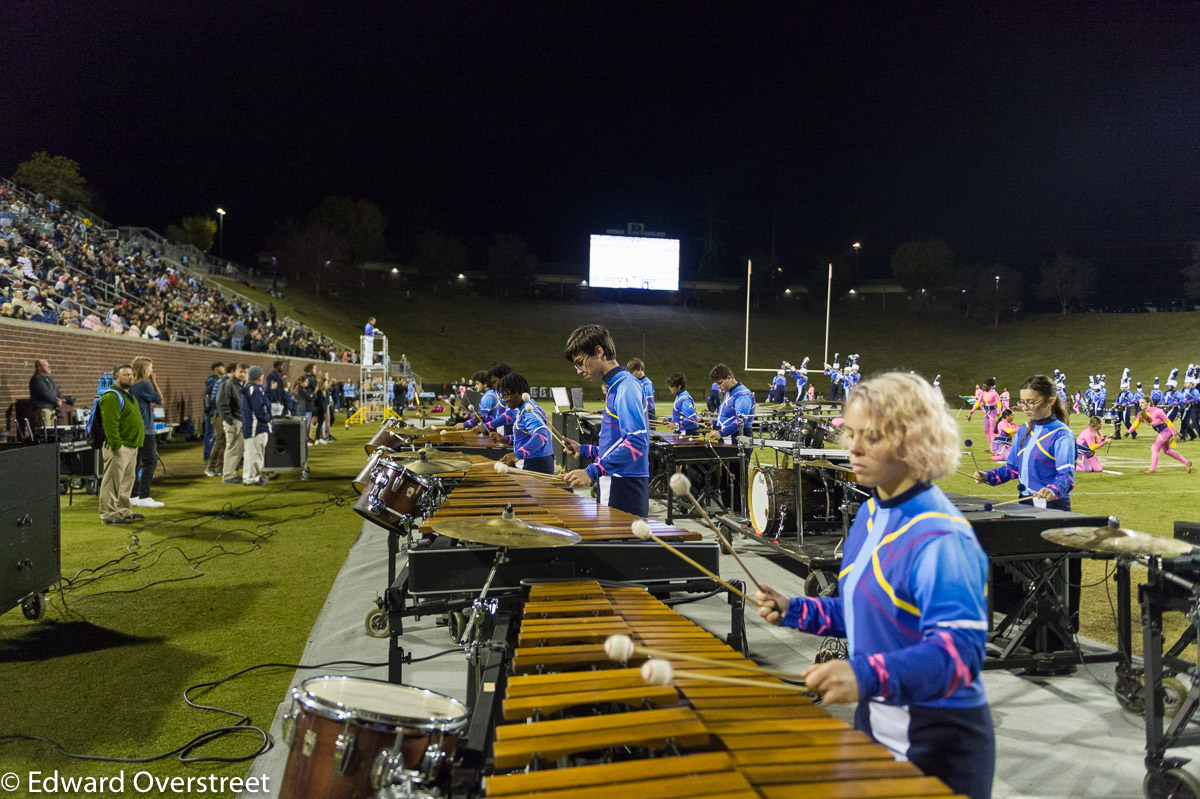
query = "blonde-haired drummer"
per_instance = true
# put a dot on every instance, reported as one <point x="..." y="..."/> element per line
<point x="911" y="599"/>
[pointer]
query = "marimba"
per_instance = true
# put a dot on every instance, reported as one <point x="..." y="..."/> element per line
<point x="753" y="741"/>
<point x="485" y="492"/>
<point x="465" y="441"/>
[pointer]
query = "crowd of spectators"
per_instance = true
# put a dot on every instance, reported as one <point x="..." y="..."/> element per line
<point x="58" y="268"/>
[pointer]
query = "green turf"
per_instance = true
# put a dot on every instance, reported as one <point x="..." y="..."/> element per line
<point x="104" y="676"/>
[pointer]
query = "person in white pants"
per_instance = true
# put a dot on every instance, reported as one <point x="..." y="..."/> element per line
<point x="256" y="426"/>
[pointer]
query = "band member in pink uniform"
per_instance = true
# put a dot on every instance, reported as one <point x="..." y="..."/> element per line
<point x="1006" y="428"/>
<point x="988" y="399"/>
<point x="1086" y="444"/>
<point x="1166" y="434"/>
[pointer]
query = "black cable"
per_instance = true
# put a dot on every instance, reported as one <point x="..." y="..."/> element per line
<point x="242" y="725"/>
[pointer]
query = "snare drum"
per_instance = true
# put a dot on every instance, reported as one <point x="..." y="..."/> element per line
<point x="391" y="493"/>
<point x="392" y="434"/>
<point x="771" y="498"/>
<point x="348" y="736"/>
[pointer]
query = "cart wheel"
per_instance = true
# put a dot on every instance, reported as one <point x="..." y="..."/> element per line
<point x="377" y="623"/>
<point x="304" y="474"/>
<point x="820" y="583"/>
<point x="1173" y="695"/>
<point x="93" y="487"/>
<point x="456" y="622"/>
<point x="62" y="487"/>
<point x="34" y="607"/>
<point x="1172" y="783"/>
<point x="1130" y="693"/>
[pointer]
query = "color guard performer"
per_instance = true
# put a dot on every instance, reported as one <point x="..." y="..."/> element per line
<point x="620" y="464"/>
<point x="1005" y="430"/>
<point x="1042" y="459"/>
<point x="911" y="595"/>
<point x="989" y="400"/>
<point x="1086" y="444"/>
<point x="1165" y="440"/>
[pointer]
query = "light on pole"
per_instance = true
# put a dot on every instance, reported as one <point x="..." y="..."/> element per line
<point x="997" y="320"/>
<point x="857" y="246"/>
<point x="221" y="232"/>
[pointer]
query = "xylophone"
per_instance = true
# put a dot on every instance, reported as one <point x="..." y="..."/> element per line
<point x="465" y="441"/>
<point x="485" y="492"/>
<point x="567" y="702"/>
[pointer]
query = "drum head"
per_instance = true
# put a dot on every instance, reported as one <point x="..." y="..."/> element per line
<point x="380" y="703"/>
<point x="758" y="500"/>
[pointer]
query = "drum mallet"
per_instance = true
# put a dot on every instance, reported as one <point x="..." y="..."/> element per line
<point x="660" y="672"/>
<point x="641" y="529"/>
<point x="526" y="398"/>
<point x="968" y="444"/>
<point x="621" y="648"/>
<point x="681" y="486"/>
<point x="989" y="505"/>
<point x="504" y="468"/>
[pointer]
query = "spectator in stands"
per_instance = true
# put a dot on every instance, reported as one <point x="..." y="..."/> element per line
<point x="145" y="390"/>
<point x="256" y="425"/>
<point x="123" y="434"/>
<point x="237" y="335"/>
<point x="44" y="394"/>
<point x="229" y="407"/>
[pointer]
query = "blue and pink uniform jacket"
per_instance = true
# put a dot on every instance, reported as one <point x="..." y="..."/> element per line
<point x="648" y="391"/>
<point x="739" y="402"/>
<point x="683" y="413"/>
<point x="1041" y="458"/>
<point x="489" y="406"/>
<point x="624" y="438"/>
<point x="531" y="432"/>
<point x="801" y="380"/>
<point x="912" y="602"/>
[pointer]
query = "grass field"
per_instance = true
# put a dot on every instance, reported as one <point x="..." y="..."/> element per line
<point x="197" y="599"/>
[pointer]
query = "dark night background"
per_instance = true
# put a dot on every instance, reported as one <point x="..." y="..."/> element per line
<point x="1013" y="131"/>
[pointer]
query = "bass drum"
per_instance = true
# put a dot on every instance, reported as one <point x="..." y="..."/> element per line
<point x="771" y="498"/>
<point x="349" y="736"/>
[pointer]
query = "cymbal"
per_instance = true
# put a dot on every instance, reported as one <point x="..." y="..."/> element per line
<point x="436" y="467"/>
<point x="432" y="454"/>
<point x="1119" y="540"/>
<point x="828" y="465"/>
<point x="501" y="532"/>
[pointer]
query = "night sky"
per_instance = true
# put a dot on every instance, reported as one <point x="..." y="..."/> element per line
<point x="1011" y="130"/>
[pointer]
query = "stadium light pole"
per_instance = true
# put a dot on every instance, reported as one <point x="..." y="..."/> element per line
<point x="997" y="322"/>
<point x="221" y="232"/>
<point x="857" y="246"/>
<point x="828" y="300"/>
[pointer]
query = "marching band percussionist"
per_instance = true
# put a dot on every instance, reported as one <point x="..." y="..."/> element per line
<point x="1042" y="458"/>
<point x="620" y="464"/>
<point x="683" y="411"/>
<point x="737" y="411"/>
<point x="911" y="600"/>
<point x="530" y="437"/>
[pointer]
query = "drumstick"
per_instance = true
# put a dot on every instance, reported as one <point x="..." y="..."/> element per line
<point x="989" y="505"/>
<point x="621" y="647"/>
<point x="660" y="672"/>
<point x="641" y="529"/>
<point x="682" y="487"/>
<point x="504" y="468"/>
<point x="526" y="398"/>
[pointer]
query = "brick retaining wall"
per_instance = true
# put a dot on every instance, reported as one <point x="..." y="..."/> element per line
<point x="78" y="358"/>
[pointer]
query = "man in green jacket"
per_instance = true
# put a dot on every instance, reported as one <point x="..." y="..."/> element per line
<point x="123" y="434"/>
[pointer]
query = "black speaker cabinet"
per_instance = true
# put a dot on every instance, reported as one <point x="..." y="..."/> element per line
<point x="29" y="522"/>
<point x="1188" y="531"/>
<point x="287" y="447"/>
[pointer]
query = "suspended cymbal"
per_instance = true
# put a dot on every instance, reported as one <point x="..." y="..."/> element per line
<point x="1118" y="540"/>
<point x="501" y="532"/>
<point x="436" y="467"/>
<point x="429" y="454"/>
<point x="828" y="465"/>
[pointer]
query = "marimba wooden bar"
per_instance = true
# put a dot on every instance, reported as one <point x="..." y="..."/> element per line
<point x="760" y="741"/>
<point x="485" y="492"/>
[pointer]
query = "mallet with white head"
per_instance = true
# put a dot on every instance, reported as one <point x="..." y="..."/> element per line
<point x="681" y="486"/>
<point x="660" y="672"/>
<point x="641" y="529"/>
<point x="620" y="648"/>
